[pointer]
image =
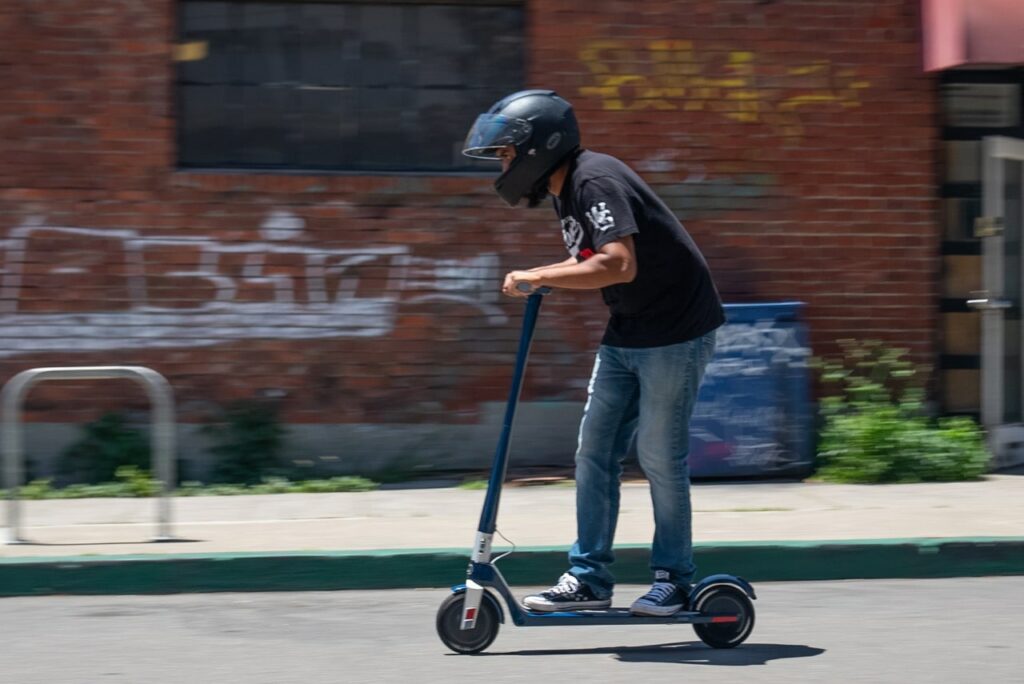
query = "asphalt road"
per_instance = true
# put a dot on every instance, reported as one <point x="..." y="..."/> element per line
<point x="950" y="630"/>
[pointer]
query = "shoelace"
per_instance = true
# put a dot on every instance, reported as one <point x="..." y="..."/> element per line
<point x="659" y="592"/>
<point x="567" y="584"/>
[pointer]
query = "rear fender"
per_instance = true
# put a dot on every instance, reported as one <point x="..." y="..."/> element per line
<point x="717" y="580"/>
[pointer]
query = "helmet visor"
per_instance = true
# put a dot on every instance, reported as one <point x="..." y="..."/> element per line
<point x="491" y="132"/>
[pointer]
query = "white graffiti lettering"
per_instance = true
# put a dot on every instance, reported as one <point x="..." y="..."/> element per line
<point x="184" y="291"/>
<point x="755" y="349"/>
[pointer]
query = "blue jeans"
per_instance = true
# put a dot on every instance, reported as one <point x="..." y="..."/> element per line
<point x="649" y="394"/>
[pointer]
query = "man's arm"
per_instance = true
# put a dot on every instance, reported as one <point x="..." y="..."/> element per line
<point x="613" y="263"/>
<point x="568" y="262"/>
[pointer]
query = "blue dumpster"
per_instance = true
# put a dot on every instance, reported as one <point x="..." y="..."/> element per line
<point x="754" y="416"/>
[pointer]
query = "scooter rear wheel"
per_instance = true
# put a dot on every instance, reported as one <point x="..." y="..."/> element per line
<point x="727" y="600"/>
<point x="466" y="641"/>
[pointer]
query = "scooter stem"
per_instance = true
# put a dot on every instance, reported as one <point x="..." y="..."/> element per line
<point x="499" y="466"/>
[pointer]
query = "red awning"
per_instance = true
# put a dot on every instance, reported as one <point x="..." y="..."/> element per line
<point x="958" y="32"/>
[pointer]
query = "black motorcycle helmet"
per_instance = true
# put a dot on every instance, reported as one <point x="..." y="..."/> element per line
<point x="543" y="129"/>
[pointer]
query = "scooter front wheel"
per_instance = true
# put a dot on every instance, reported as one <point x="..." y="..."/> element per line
<point x="466" y="641"/>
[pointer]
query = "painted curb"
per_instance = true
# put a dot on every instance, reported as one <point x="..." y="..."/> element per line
<point x="412" y="568"/>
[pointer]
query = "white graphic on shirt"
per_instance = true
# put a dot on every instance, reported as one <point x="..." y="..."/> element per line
<point x="572" y="233"/>
<point x="601" y="217"/>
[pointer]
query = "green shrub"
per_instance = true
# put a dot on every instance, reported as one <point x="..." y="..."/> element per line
<point x="106" y="445"/>
<point x="36" y="489"/>
<point x="876" y="429"/>
<point x="345" y="483"/>
<point x="272" y="485"/>
<point x="869" y="373"/>
<point x="137" y="482"/>
<point x="247" y="441"/>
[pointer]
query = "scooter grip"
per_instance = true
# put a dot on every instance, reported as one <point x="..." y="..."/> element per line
<point x="524" y="286"/>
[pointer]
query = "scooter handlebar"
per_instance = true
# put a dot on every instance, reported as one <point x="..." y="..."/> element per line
<point x="524" y="286"/>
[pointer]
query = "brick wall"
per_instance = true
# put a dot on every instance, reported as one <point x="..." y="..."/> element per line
<point x="796" y="140"/>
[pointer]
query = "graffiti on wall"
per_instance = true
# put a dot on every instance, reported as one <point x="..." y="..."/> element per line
<point x="111" y="289"/>
<point x="755" y="349"/>
<point x="738" y="85"/>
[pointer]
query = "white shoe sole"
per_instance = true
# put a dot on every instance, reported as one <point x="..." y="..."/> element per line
<point x="654" y="611"/>
<point x="539" y="607"/>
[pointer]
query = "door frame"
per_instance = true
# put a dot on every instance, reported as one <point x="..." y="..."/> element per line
<point x="1005" y="439"/>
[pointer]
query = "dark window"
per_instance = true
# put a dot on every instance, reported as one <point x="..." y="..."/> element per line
<point x="385" y="86"/>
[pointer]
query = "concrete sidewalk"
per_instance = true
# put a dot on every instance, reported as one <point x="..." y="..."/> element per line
<point x="421" y="536"/>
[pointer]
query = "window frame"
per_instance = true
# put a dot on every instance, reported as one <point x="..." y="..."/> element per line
<point x="347" y="165"/>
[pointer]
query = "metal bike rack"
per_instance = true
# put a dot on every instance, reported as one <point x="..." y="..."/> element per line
<point x="159" y="391"/>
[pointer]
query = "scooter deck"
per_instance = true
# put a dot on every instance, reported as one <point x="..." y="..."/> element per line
<point x="611" y="616"/>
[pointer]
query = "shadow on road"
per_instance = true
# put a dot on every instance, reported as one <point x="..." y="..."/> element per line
<point x="693" y="653"/>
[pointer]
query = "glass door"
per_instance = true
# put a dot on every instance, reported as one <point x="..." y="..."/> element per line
<point x="1002" y="335"/>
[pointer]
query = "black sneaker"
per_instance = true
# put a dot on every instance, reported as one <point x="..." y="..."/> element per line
<point x="568" y="594"/>
<point x="664" y="598"/>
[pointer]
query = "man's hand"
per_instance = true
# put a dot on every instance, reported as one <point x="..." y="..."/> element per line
<point x="512" y="280"/>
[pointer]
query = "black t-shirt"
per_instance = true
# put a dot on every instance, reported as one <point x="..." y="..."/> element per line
<point x="673" y="298"/>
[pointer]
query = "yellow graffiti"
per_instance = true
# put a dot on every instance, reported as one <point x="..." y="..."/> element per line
<point x="668" y="75"/>
<point x="193" y="51"/>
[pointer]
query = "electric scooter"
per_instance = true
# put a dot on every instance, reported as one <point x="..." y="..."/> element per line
<point x="720" y="607"/>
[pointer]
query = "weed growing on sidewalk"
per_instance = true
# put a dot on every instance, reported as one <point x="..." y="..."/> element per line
<point x="132" y="483"/>
<point x="876" y="428"/>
